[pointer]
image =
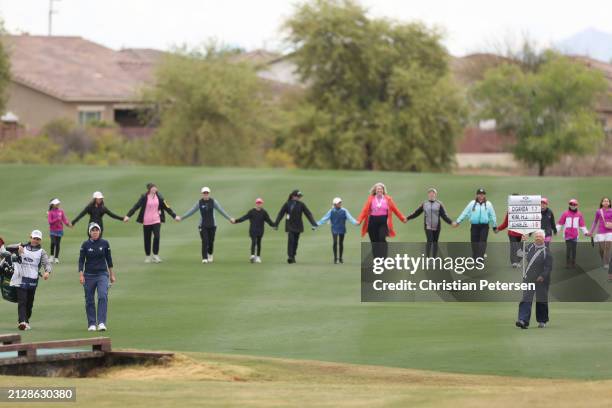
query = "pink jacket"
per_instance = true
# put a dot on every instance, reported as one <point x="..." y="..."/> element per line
<point x="600" y="216"/>
<point x="57" y="219"/>
<point x="571" y="222"/>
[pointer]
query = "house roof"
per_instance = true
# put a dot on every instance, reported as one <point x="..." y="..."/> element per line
<point x="79" y="70"/>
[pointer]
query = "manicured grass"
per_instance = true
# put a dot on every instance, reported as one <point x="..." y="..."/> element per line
<point x="310" y="310"/>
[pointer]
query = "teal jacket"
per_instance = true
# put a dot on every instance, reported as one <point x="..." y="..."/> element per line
<point x="479" y="213"/>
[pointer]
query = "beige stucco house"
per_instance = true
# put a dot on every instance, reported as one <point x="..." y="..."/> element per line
<point x="70" y="77"/>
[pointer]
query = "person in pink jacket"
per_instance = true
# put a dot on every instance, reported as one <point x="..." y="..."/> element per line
<point x="603" y="233"/>
<point x="57" y="219"/>
<point x="572" y="222"/>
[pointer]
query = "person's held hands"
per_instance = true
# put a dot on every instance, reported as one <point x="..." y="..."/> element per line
<point x="46" y="275"/>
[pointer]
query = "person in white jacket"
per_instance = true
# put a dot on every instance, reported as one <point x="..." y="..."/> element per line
<point x="26" y="275"/>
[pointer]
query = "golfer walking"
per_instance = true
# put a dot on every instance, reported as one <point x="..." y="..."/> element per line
<point x="601" y="229"/>
<point x="96" y="274"/>
<point x="96" y="209"/>
<point x="539" y="261"/>
<point x="208" y="224"/>
<point x="376" y="219"/>
<point x="337" y="216"/>
<point x="151" y="208"/>
<point x="433" y="211"/>
<point x="481" y="215"/>
<point x="293" y="210"/>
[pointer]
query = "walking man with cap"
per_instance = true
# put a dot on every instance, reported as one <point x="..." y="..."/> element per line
<point x="208" y="224"/>
<point x="482" y="215"/>
<point x="293" y="210"/>
<point x="257" y="216"/>
<point x="95" y="273"/>
<point x="338" y="216"/>
<point x="26" y="274"/>
<point x="433" y="211"/>
<point x="539" y="261"/>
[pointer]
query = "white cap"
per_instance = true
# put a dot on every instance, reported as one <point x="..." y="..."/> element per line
<point x="55" y="201"/>
<point x="337" y="200"/>
<point x="92" y="226"/>
<point x="205" y="190"/>
<point x="36" y="234"/>
<point x="98" y="194"/>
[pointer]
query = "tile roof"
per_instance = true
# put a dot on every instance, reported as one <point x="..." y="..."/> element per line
<point x="75" y="69"/>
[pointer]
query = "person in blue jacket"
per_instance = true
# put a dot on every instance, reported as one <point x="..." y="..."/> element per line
<point x="482" y="215"/>
<point x="95" y="271"/>
<point x="337" y="216"/>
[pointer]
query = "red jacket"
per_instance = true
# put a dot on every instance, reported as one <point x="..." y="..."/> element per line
<point x="504" y="225"/>
<point x="365" y="214"/>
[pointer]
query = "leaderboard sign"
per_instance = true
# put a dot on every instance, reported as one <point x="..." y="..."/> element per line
<point x="524" y="213"/>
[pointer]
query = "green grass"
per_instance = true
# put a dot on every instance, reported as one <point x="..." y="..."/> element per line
<point x="310" y="310"/>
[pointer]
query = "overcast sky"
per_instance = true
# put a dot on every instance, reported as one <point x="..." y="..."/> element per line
<point x="471" y="25"/>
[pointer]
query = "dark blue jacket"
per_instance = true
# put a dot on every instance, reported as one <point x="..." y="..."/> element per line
<point x="95" y="257"/>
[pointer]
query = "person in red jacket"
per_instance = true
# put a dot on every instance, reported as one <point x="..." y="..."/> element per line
<point x="376" y="219"/>
<point x="515" y="241"/>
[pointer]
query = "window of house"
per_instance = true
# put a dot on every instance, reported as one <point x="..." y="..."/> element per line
<point x="86" y="117"/>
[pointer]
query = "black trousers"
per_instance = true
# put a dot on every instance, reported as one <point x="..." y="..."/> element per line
<point x="148" y="231"/>
<point x="479" y="233"/>
<point x="256" y="244"/>
<point x="378" y="231"/>
<point x="293" y="239"/>
<point x="338" y="245"/>
<point x="431" y="248"/>
<point x="541" y="297"/>
<point x="25" y="302"/>
<point x="207" y="235"/>
<point x="515" y="245"/>
<point x="570" y="250"/>
<point x="55" y="245"/>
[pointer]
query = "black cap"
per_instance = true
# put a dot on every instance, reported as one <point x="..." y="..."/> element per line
<point x="481" y="191"/>
<point x="296" y="193"/>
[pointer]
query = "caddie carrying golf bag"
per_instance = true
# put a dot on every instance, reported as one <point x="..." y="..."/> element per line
<point x="8" y="259"/>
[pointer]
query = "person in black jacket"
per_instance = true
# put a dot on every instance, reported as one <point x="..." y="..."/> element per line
<point x="96" y="210"/>
<point x="256" y="216"/>
<point x="548" y="223"/>
<point x="293" y="209"/>
<point x="151" y="206"/>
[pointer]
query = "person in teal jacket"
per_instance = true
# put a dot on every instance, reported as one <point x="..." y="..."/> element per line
<point x="337" y="216"/>
<point x="482" y="215"/>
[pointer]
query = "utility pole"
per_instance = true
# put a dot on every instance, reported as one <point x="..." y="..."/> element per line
<point x="51" y="13"/>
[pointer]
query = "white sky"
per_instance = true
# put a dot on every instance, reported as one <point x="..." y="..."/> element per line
<point x="471" y="25"/>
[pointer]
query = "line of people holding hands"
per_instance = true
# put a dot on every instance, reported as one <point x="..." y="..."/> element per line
<point x="376" y="220"/>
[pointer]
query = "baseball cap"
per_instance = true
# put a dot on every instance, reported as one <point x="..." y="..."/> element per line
<point x="481" y="191"/>
<point x="98" y="194"/>
<point x="432" y="190"/>
<point x="337" y="200"/>
<point x="205" y="190"/>
<point x="36" y="234"/>
<point x="55" y="201"/>
<point x="573" y="201"/>
<point x="92" y="226"/>
<point x="545" y="200"/>
<point x="259" y="200"/>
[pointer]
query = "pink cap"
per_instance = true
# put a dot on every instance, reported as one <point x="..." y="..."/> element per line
<point x="573" y="201"/>
<point x="259" y="200"/>
<point x="545" y="200"/>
